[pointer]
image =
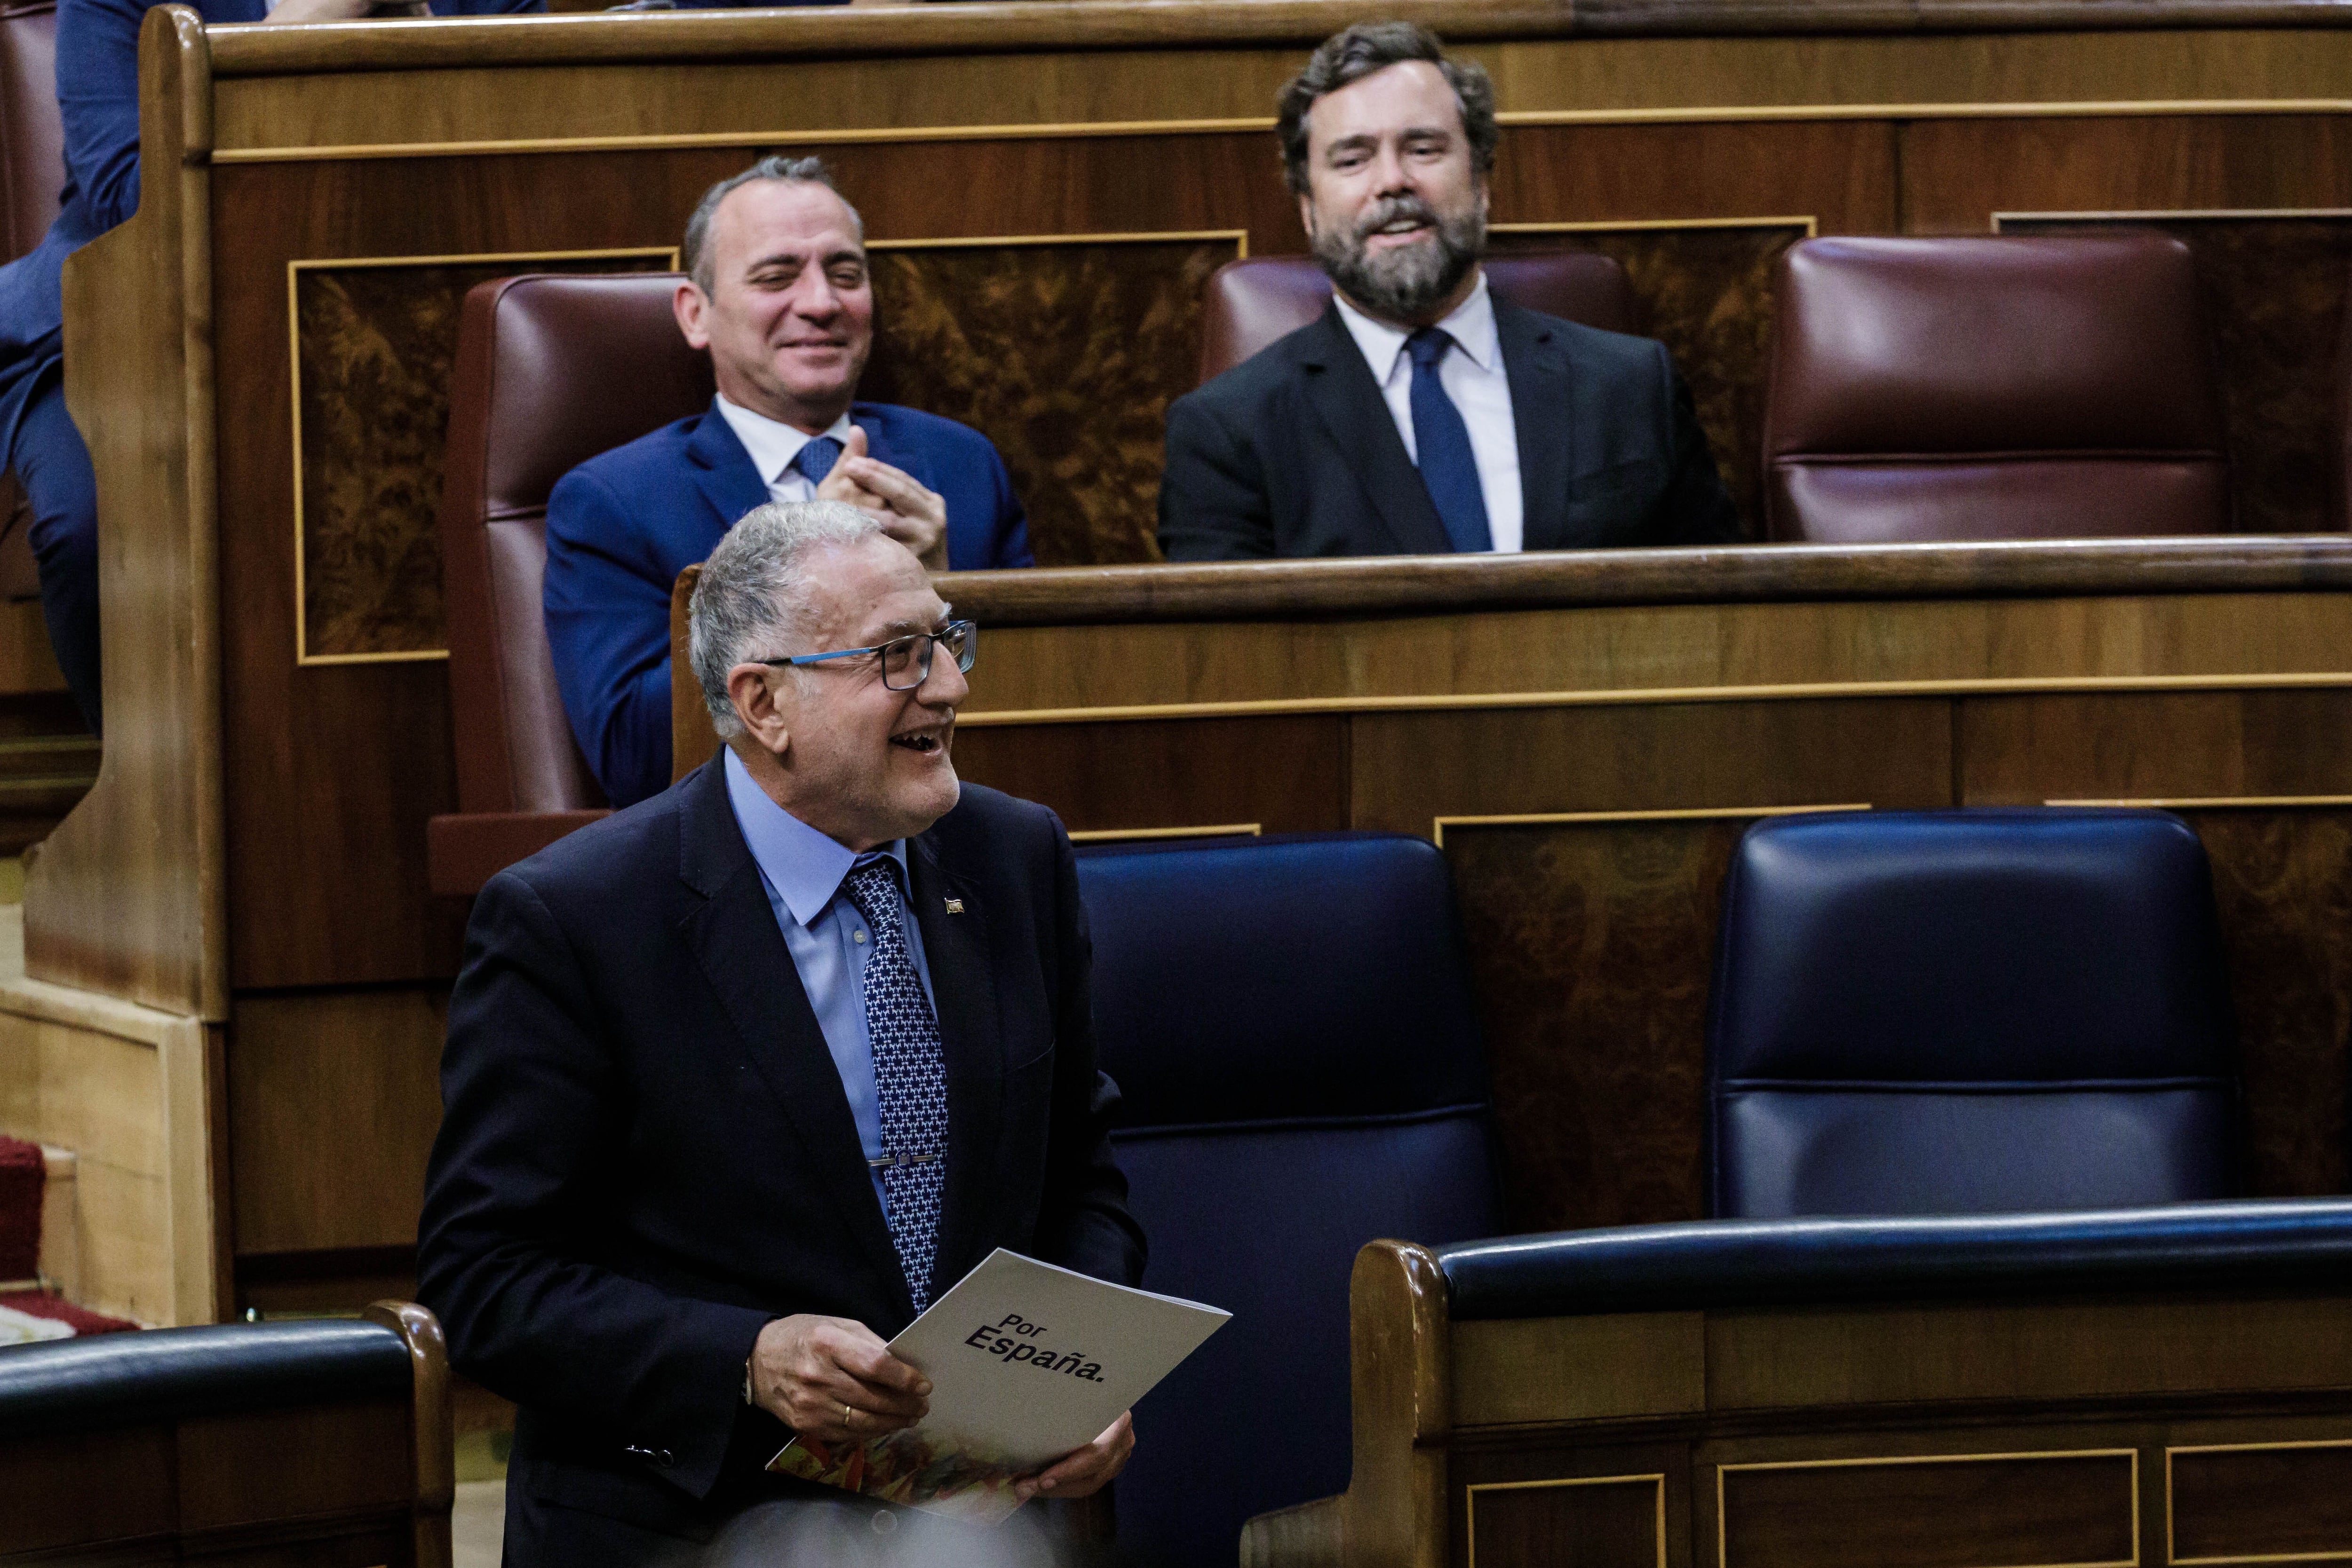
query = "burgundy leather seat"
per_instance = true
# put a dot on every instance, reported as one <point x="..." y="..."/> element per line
<point x="1249" y="304"/>
<point x="32" y="178"/>
<point x="552" y="369"/>
<point x="1993" y="388"/>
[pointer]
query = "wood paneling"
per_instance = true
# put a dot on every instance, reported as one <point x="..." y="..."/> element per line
<point x="1590" y="1367"/>
<point x="333" y="1102"/>
<point x="1288" y="775"/>
<point x="1571" y="1523"/>
<point x="2259" y="1502"/>
<point x="1953" y="1513"/>
<point x="128" y="893"/>
<point x="335" y="1458"/>
<point x="61" y="1490"/>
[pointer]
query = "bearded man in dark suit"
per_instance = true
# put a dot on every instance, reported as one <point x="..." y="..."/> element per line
<point x="1420" y="414"/>
<point x="740" y="1079"/>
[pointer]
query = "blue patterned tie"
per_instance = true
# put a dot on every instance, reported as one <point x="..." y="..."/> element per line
<point x="909" y="1076"/>
<point x="816" y="457"/>
<point x="1449" y="470"/>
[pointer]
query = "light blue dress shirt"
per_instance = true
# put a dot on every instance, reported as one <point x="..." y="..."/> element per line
<point x="803" y="871"/>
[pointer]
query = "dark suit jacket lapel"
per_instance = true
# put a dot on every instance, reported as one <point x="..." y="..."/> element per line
<point x="964" y="990"/>
<point x="725" y="475"/>
<point x="1536" y="365"/>
<point x="744" y="957"/>
<point x="1342" y="388"/>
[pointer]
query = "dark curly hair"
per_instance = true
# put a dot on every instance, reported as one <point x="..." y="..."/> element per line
<point x="1369" y="47"/>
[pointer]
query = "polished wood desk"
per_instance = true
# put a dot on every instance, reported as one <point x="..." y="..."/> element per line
<point x="238" y="922"/>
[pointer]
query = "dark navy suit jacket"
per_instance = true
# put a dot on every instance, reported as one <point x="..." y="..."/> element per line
<point x="1294" y="452"/>
<point x="621" y="527"/>
<point x="646" y="1153"/>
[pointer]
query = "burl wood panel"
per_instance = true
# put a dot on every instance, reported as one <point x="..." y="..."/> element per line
<point x="2274" y="290"/>
<point x="2262" y="1502"/>
<point x="333" y="1100"/>
<point x="2282" y="875"/>
<point x="1067" y="357"/>
<point x="1706" y="294"/>
<point x="376" y="346"/>
<point x="1288" y="775"/>
<point x="1571" y="1525"/>
<point x="1953" y="1513"/>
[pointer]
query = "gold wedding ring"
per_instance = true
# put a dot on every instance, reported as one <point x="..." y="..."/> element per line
<point x="846" y="1413"/>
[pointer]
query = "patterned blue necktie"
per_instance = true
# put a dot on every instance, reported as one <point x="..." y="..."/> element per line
<point x="1449" y="470"/>
<point x="909" y="1076"/>
<point x="816" y="457"/>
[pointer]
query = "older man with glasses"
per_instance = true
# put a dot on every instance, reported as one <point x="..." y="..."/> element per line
<point x="742" y="1079"/>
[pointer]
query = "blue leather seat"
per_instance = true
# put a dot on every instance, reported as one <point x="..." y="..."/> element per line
<point x="1968" y="1012"/>
<point x="1290" y="1023"/>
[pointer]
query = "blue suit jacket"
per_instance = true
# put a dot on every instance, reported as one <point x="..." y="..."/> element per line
<point x="621" y="527"/>
<point x="97" y="96"/>
<point x="647" y="1154"/>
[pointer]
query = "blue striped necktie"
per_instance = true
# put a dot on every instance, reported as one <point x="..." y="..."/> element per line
<point x="1449" y="470"/>
<point x="909" y="1076"/>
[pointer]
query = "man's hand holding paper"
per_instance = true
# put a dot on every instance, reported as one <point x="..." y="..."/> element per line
<point x="835" y="1379"/>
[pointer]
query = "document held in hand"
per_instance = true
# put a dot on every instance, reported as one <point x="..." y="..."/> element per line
<point x="1027" y="1362"/>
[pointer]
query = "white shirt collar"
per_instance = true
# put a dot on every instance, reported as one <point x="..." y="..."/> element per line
<point x="1471" y="326"/>
<point x="772" y="443"/>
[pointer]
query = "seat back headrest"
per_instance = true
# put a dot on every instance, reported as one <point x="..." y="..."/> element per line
<point x="1319" y="977"/>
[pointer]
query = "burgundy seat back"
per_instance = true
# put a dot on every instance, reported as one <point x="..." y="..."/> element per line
<point x="32" y="178"/>
<point x="1991" y="388"/>
<point x="551" y="370"/>
<point x="1249" y="304"/>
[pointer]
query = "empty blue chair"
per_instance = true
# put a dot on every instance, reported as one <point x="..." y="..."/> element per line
<point x="1952" y="1012"/>
<point x="1290" y="1024"/>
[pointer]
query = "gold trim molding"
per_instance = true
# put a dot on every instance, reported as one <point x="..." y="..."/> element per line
<point x="1721" y="1532"/>
<point x="1137" y="835"/>
<point x="2213" y="802"/>
<point x="1729" y="114"/>
<point x="1810" y="224"/>
<point x="2249" y="1557"/>
<point x="1470" y="1503"/>
<point x="303" y="657"/>
<point x="1692" y="814"/>
<point x="1615" y="697"/>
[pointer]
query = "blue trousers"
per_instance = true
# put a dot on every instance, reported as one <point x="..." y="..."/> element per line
<point x="53" y="465"/>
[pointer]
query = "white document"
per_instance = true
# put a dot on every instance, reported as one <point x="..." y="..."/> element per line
<point x="1027" y="1362"/>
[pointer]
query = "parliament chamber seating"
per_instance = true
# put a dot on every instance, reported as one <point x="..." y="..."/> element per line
<point x="244" y="1445"/>
<point x="1956" y="1012"/>
<point x="1250" y="303"/>
<point x="2014" y="387"/>
<point x="1290" y="1024"/>
<point x="2159" y="1384"/>
<point x="552" y="369"/>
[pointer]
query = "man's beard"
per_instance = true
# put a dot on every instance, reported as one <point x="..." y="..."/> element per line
<point x="1403" y="283"/>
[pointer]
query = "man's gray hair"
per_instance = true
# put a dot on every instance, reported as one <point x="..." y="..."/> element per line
<point x="1358" y="51"/>
<point x="694" y="252"/>
<point x="751" y="600"/>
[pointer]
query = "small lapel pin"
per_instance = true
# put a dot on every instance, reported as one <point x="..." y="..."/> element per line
<point x="955" y="906"/>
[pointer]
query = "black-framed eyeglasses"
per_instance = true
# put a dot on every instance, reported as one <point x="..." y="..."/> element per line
<point x="905" y="661"/>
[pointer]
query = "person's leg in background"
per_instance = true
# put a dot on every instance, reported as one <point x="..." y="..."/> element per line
<point x="53" y="465"/>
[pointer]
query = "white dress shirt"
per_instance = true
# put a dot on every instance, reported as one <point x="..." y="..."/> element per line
<point x="1472" y="374"/>
<point x="773" y="444"/>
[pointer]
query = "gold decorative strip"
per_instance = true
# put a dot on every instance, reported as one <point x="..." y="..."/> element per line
<point x="2242" y="1448"/>
<point x="1633" y="695"/>
<point x="1124" y="835"/>
<point x="1735" y="114"/>
<point x="303" y="657"/>
<point x="1811" y="225"/>
<point x="2184" y="214"/>
<point x="1691" y="814"/>
<point x="1722" y="1548"/>
<point x="1239" y="236"/>
<point x="2211" y="802"/>
<point x="1470" y="1503"/>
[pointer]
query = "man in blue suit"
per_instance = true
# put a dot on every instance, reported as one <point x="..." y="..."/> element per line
<point x="777" y="292"/>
